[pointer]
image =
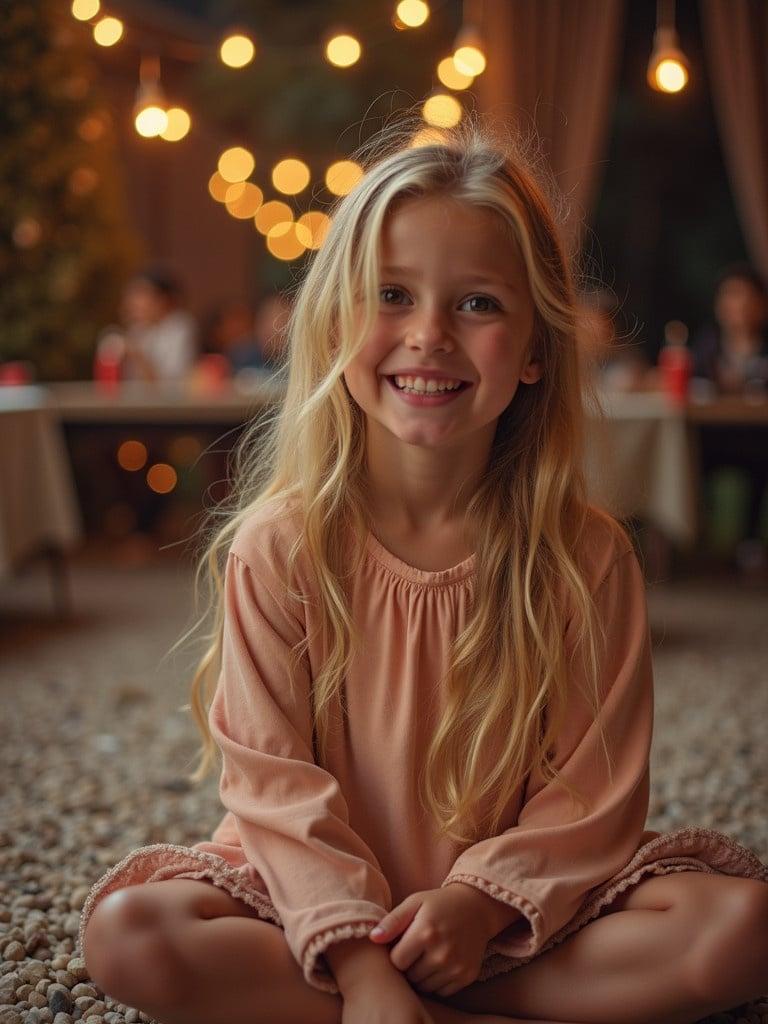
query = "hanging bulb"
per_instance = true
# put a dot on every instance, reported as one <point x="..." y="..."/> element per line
<point x="668" y="65"/>
<point x="469" y="51"/>
<point x="149" y="110"/>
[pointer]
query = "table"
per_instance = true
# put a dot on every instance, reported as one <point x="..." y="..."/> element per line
<point x="641" y="452"/>
<point x="39" y="513"/>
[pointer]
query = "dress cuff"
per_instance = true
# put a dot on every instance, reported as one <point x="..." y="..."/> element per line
<point x="314" y="964"/>
<point x="521" y="938"/>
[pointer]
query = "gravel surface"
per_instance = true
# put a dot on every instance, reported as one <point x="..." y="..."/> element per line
<point x="95" y="748"/>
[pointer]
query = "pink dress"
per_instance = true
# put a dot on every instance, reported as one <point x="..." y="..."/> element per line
<point x="324" y="853"/>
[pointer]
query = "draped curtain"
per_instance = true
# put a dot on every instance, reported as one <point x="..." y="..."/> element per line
<point x="736" y="47"/>
<point x="554" y="65"/>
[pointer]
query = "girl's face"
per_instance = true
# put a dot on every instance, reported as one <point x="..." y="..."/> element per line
<point x="453" y="297"/>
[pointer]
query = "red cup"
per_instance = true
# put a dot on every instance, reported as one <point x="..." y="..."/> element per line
<point x="17" y="372"/>
<point x="106" y="371"/>
<point x="675" y="367"/>
<point x="214" y="371"/>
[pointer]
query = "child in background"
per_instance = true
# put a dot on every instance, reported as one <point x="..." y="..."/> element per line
<point x="430" y="674"/>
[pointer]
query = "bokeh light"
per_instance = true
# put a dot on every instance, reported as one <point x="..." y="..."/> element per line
<point x="132" y="455"/>
<point x="442" y="111"/>
<point x="450" y="75"/>
<point x="243" y="199"/>
<point x="84" y="10"/>
<point x="108" y="31"/>
<point x="412" y="13"/>
<point x="151" y="121"/>
<point x="237" y="50"/>
<point x="236" y="164"/>
<point x="342" y="176"/>
<point x="179" y="123"/>
<point x="312" y="227"/>
<point x="284" y="243"/>
<point x="290" y="176"/>
<point x="343" y="51"/>
<point x="271" y="214"/>
<point x="161" y="478"/>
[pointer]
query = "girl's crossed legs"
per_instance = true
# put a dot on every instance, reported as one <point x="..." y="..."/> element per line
<point x="670" y="950"/>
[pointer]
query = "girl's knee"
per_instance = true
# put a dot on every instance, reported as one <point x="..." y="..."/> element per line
<point x="128" y="950"/>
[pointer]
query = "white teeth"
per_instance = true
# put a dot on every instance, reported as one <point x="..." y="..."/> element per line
<point x="426" y="387"/>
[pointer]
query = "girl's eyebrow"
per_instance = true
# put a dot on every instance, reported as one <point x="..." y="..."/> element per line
<point x="469" y="279"/>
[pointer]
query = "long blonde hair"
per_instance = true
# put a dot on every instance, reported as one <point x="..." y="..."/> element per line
<point x="509" y="674"/>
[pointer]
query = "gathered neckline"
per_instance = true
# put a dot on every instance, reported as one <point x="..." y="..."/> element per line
<point x="424" y="577"/>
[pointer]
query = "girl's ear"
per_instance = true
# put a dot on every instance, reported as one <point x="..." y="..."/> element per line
<point x="533" y="371"/>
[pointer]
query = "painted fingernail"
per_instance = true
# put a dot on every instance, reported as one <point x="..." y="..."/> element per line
<point x="377" y="931"/>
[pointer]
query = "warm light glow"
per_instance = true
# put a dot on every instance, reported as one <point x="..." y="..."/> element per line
<point x="179" y="124"/>
<point x="132" y="455"/>
<point x="183" y="450"/>
<point x="284" y="243"/>
<point x="442" y="111"/>
<point x="84" y="10"/>
<point x="342" y="176"/>
<point x="671" y="76"/>
<point x="343" y="51"/>
<point x="290" y="176"/>
<point x="426" y="137"/>
<point x="450" y="75"/>
<point x="27" y="233"/>
<point x="151" y="121"/>
<point x="217" y="187"/>
<point x="91" y="128"/>
<point x="271" y="214"/>
<point x="161" y="478"/>
<point x="236" y="51"/>
<point x="108" y="31"/>
<point x="83" y="180"/>
<point x="412" y="13"/>
<point x="243" y="199"/>
<point x="236" y="164"/>
<point x="312" y="227"/>
<point x="469" y="60"/>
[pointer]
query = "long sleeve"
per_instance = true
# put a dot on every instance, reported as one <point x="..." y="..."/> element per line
<point x="291" y="815"/>
<point x="546" y="864"/>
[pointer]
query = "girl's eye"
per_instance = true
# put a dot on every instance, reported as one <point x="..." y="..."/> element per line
<point x="482" y="298"/>
<point x="389" y="289"/>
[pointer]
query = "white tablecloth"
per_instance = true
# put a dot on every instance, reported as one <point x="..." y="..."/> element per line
<point x="640" y="462"/>
<point x="38" y="502"/>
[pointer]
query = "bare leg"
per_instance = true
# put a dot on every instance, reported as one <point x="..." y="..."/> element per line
<point x="625" y="968"/>
<point x="222" y="963"/>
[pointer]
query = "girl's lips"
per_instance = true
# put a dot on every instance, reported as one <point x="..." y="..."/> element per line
<point x="435" y="398"/>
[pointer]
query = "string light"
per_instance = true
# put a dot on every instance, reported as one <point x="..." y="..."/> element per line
<point x="343" y="51"/>
<point x="442" y="110"/>
<point x="179" y="123"/>
<point x="236" y="164"/>
<point x="342" y="176"/>
<point x="668" y="65"/>
<point x="237" y="50"/>
<point x="469" y="52"/>
<point x="108" y="31"/>
<point x="132" y="455"/>
<point x="270" y="214"/>
<point x="411" y="13"/>
<point x="149" y="114"/>
<point x="290" y="176"/>
<point x="84" y="10"/>
<point x="243" y="199"/>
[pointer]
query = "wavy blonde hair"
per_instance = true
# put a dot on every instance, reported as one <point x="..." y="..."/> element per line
<point x="509" y="675"/>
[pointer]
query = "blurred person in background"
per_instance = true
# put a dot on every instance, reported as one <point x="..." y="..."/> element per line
<point x="732" y="352"/>
<point x="159" y="335"/>
<point x="251" y="337"/>
<point x="730" y="357"/>
<point x="616" y="365"/>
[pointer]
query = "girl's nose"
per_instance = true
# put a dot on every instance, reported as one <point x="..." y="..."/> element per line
<point x="429" y="329"/>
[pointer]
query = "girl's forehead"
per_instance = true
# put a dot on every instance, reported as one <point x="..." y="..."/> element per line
<point x="416" y="228"/>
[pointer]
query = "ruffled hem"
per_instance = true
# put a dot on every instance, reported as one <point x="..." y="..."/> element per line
<point x="686" y="849"/>
<point x="166" y="860"/>
<point x="692" y="848"/>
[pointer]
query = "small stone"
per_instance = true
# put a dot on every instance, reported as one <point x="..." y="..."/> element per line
<point x="60" y="962"/>
<point x="132" y="1016"/>
<point x="14" y="951"/>
<point x="22" y="992"/>
<point x="32" y="973"/>
<point x="81" y="989"/>
<point x="78" y="897"/>
<point x="38" y="999"/>
<point x="83" y="1002"/>
<point x="65" y="978"/>
<point x="76" y="967"/>
<point x="33" y="1016"/>
<point x="112" y="1018"/>
<point x="62" y="1018"/>
<point x="59" y="999"/>
<point x="9" y="1015"/>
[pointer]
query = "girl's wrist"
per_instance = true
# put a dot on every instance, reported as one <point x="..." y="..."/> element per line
<point x="353" y="960"/>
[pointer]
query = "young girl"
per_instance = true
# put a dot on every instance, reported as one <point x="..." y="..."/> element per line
<point x="430" y="681"/>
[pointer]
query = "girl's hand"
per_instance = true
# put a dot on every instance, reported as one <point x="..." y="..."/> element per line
<point x="383" y="998"/>
<point x="445" y="934"/>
